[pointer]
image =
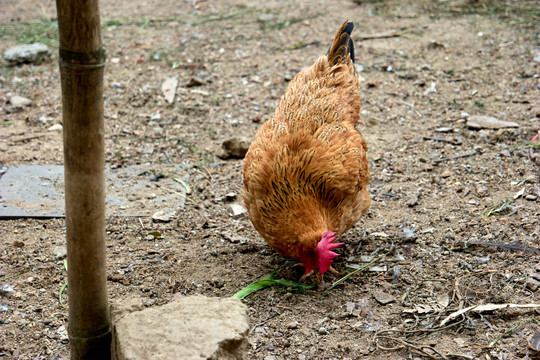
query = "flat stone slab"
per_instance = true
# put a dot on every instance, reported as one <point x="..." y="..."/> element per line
<point x="190" y="327"/>
<point x="27" y="53"/>
<point x="137" y="190"/>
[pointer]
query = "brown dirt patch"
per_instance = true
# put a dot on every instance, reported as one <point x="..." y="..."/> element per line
<point x="428" y="194"/>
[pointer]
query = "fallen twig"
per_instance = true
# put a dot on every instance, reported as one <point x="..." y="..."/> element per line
<point x="420" y="349"/>
<point x="488" y="307"/>
<point x="472" y="153"/>
<point x="27" y="138"/>
<point x="262" y="323"/>
<point x="506" y="246"/>
<point x="458" y="280"/>
<point x="362" y="268"/>
<point x="453" y="141"/>
<point x="177" y="193"/>
<point x="382" y="35"/>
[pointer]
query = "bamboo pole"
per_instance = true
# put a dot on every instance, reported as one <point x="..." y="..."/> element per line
<point x="82" y="61"/>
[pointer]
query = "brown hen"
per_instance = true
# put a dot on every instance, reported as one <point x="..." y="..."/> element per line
<point x="306" y="172"/>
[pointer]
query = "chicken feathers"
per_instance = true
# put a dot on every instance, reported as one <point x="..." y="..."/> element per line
<point x="306" y="172"/>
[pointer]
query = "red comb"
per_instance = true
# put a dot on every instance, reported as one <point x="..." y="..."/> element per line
<point x="323" y="249"/>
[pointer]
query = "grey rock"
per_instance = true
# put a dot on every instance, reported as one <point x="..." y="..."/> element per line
<point x="292" y="325"/>
<point x="59" y="252"/>
<point x="482" y="190"/>
<point x="532" y="284"/>
<point x="383" y="298"/>
<point x="322" y="321"/>
<point x="409" y="233"/>
<point x="31" y="53"/>
<point x="237" y="210"/>
<point x="197" y="327"/>
<point x="19" y="101"/>
<point x="322" y="331"/>
<point x="55" y="127"/>
<point x="432" y="89"/>
<point x="260" y="331"/>
<point x="164" y="216"/>
<point x="62" y="334"/>
<point x="267" y="17"/>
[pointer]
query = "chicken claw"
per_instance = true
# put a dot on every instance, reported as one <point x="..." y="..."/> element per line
<point x="307" y="275"/>
<point x="333" y="271"/>
<point x="320" y="277"/>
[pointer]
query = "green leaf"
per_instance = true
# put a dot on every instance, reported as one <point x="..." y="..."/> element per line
<point x="60" y="293"/>
<point x="297" y="45"/>
<point x="270" y="280"/>
<point x="156" y="235"/>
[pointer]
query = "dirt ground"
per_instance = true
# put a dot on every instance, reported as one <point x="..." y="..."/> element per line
<point x="455" y="210"/>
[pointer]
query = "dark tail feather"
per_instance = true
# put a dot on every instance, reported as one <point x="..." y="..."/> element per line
<point x="342" y="45"/>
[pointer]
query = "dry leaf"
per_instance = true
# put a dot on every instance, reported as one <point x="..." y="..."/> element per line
<point x="443" y="300"/>
<point x="489" y="122"/>
<point x="534" y="341"/>
<point x="168" y="88"/>
<point x="164" y="216"/>
<point x="519" y="193"/>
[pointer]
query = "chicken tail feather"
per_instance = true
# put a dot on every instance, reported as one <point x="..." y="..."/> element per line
<point x="342" y="45"/>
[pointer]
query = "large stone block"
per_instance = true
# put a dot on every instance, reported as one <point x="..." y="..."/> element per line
<point x="192" y="327"/>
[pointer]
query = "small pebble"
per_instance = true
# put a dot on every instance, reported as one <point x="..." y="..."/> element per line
<point x="446" y="173"/>
<point x="532" y="284"/>
<point x="322" y="331"/>
<point x="409" y="233"/>
<point x="483" y="260"/>
<point x="237" y="210"/>
<point x="322" y="321"/>
<point x="55" y="127"/>
<point x="292" y="325"/>
<point x="481" y="190"/>
<point x="59" y="252"/>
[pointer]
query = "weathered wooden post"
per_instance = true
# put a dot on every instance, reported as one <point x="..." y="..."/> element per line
<point x="82" y="61"/>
